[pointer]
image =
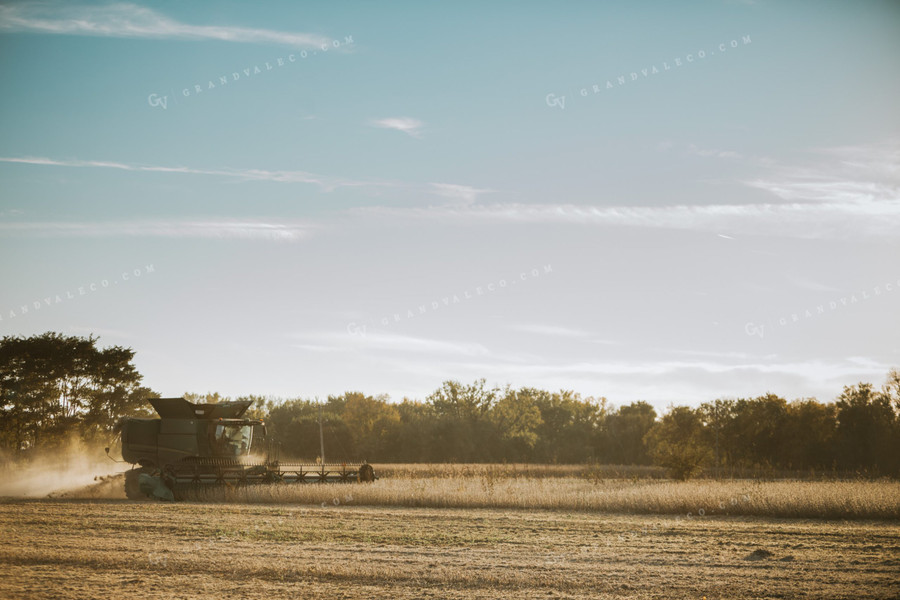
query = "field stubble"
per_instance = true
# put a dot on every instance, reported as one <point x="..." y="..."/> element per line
<point x="462" y="532"/>
<point x="113" y="548"/>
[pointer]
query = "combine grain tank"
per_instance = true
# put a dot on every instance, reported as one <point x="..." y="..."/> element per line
<point x="196" y="445"/>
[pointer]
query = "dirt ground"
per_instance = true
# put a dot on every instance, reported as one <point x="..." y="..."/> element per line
<point x="85" y="549"/>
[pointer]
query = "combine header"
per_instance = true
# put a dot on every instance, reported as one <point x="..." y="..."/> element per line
<point x="200" y="445"/>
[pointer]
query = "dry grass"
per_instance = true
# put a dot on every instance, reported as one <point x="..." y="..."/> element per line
<point x="555" y="488"/>
<point x="692" y="499"/>
<point x="102" y="549"/>
<point x="515" y="470"/>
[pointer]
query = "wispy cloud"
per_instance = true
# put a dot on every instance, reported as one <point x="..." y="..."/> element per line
<point x="853" y="192"/>
<point x="664" y="381"/>
<point x="824" y="189"/>
<point x="859" y="175"/>
<point x="462" y="194"/>
<point x="115" y="334"/>
<point x="325" y="183"/>
<point x="415" y="345"/>
<point x="712" y="153"/>
<point x="387" y="342"/>
<point x="815" y="286"/>
<point x="249" y="230"/>
<point x="125" y="20"/>
<point x="550" y="330"/>
<point x="408" y="125"/>
<point x="838" y="220"/>
<point x="459" y="194"/>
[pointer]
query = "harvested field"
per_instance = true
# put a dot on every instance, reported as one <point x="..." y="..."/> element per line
<point x="100" y="549"/>
<point x="495" y="531"/>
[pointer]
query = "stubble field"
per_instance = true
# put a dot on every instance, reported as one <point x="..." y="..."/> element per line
<point x="394" y="539"/>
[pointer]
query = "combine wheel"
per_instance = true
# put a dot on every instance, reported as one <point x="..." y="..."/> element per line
<point x="366" y="473"/>
<point x="168" y="479"/>
<point x="132" y="486"/>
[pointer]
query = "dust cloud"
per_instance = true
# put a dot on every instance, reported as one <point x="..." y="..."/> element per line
<point x="69" y="471"/>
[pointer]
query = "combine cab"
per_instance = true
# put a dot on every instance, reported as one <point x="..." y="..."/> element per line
<point x="195" y="445"/>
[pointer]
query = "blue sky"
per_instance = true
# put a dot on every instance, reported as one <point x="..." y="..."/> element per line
<point x="326" y="224"/>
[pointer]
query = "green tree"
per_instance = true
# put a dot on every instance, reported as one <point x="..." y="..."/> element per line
<point x="416" y="433"/>
<point x="260" y="407"/>
<point x="866" y="429"/>
<point x="54" y="386"/>
<point x="891" y="391"/>
<point x="570" y="428"/>
<point x="752" y="432"/>
<point x="810" y="429"/>
<point x="463" y="402"/>
<point x="677" y="442"/>
<point x="517" y="418"/>
<point x="207" y="398"/>
<point x="624" y="434"/>
<point x="372" y="422"/>
<point x="462" y="430"/>
<point x="294" y="426"/>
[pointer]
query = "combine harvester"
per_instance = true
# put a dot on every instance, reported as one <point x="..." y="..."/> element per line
<point x="192" y="446"/>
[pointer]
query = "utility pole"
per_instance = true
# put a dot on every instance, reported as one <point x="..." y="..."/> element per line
<point x="717" y="437"/>
<point x="321" y="437"/>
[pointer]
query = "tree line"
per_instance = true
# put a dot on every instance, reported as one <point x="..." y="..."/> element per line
<point x="53" y="386"/>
